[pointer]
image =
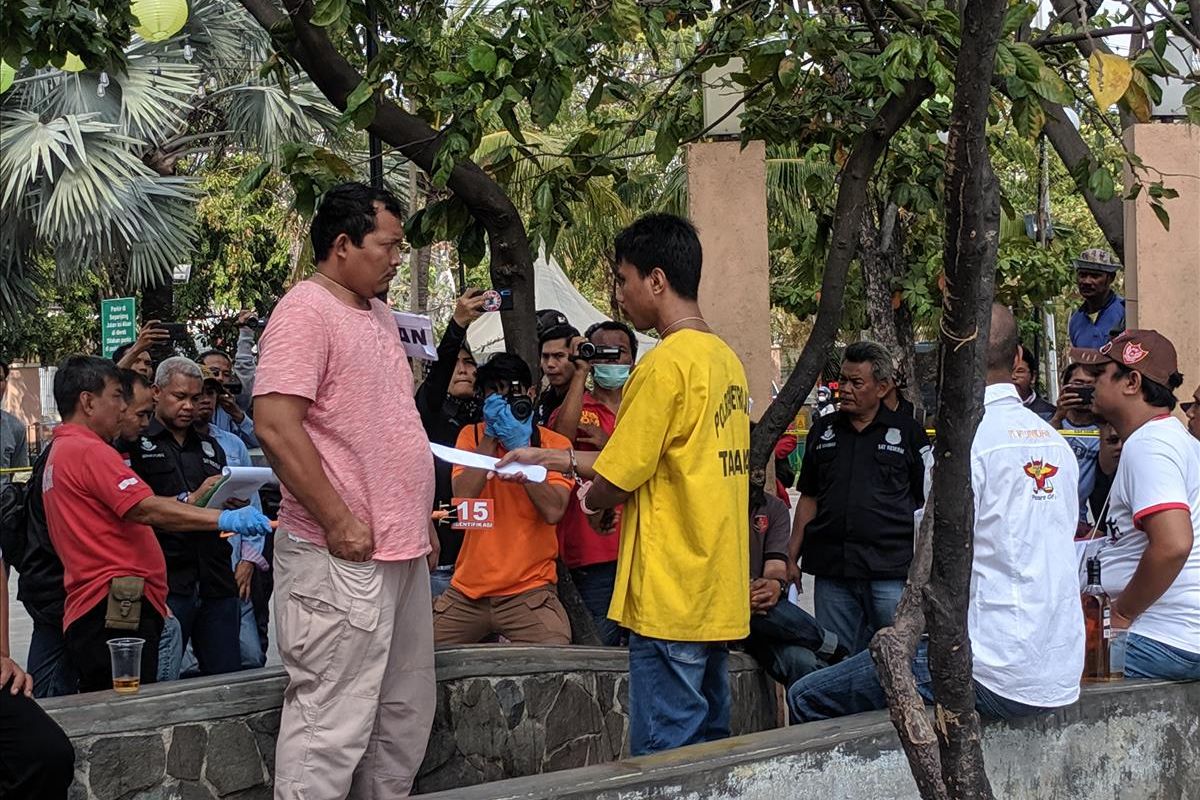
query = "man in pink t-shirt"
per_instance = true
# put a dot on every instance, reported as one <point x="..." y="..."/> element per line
<point x="334" y="412"/>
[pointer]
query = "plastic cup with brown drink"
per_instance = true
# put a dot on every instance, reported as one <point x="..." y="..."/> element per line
<point x="126" y="664"/>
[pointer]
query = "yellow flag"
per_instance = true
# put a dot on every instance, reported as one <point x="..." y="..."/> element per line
<point x="1108" y="77"/>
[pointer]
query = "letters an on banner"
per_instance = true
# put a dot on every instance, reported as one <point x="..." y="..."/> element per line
<point x="473" y="513"/>
<point x="416" y="334"/>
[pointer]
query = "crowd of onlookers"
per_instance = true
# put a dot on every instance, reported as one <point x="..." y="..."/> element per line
<point x="647" y="515"/>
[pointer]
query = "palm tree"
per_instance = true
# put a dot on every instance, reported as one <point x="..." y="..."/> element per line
<point x="88" y="171"/>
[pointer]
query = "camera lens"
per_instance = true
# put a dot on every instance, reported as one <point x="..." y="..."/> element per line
<point x="521" y="407"/>
<point x="587" y="351"/>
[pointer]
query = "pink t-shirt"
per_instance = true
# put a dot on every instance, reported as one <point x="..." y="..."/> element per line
<point x="363" y="421"/>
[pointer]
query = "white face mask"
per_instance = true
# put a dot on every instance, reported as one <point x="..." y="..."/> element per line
<point x="610" y="376"/>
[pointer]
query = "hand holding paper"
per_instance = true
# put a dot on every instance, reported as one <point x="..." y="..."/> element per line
<point x="466" y="458"/>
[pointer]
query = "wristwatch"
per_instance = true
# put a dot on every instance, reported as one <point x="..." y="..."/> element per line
<point x="182" y="497"/>
<point x="783" y="587"/>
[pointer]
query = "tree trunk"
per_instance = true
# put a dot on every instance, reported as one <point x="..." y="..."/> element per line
<point x="972" y="237"/>
<point x="848" y="214"/>
<point x="336" y="77"/>
<point x="891" y="323"/>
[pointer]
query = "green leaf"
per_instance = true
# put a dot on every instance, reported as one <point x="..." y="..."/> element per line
<point x="548" y="98"/>
<point x="1101" y="183"/>
<point x="596" y="96"/>
<point x="482" y="58"/>
<point x="472" y="246"/>
<point x="511" y="123"/>
<point x="1029" y="63"/>
<point x="1028" y="117"/>
<point x="1163" y="217"/>
<point x="446" y="78"/>
<point x="327" y="12"/>
<point x="1016" y="16"/>
<point x="625" y="19"/>
<point x="1050" y="86"/>
<point x="665" y="145"/>
<point x="543" y="199"/>
<point x="253" y="179"/>
<point x="1006" y="62"/>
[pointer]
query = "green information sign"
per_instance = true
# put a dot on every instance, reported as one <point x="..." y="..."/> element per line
<point x="118" y="323"/>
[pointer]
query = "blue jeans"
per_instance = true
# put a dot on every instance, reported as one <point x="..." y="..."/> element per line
<point x="210" y="625"/>
<point x="852" y="687"/>
<point x="439" y="580"/>
<point x="170" y="650"/>
<point x="1147" y="658"/>
<point x="855" y="609"/>
<point x="53" y="675"/>
<point x="678" y="693"/>
<point x="788" y="643"/>
<point x="249" y="645"/>
<point x="595" y="584"/>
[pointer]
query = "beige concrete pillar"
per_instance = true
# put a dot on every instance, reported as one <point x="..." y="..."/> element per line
<point x="1162" y="267"/>
<point x="727" y="201"/>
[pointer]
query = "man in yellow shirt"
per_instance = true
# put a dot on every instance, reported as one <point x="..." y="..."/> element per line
<point x="678" y="459"/>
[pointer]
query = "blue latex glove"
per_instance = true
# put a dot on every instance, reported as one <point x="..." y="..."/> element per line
<point x="248" y="521"/>
<point x="501" y="424"/>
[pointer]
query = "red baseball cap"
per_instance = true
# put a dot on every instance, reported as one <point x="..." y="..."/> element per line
<point x="1147" y="352"/>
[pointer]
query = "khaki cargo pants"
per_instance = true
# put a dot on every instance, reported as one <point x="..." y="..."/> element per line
<point x="533" y="617"/>
<point x="357" y="643"/>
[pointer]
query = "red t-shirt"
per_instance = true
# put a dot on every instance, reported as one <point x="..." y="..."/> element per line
<point x="578" y="544"/>
<point x="87" y="490"/>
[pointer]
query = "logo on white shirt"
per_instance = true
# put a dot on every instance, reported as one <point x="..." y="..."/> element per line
<point x="1041" y="472"/>
<point x="125" y="484"/>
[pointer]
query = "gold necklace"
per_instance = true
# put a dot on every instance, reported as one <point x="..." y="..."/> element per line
<point x="666" y="330"/>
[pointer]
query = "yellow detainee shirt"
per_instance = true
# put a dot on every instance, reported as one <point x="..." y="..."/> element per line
<point x="681" y="446"/>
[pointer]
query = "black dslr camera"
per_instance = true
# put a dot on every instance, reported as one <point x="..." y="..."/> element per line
<point x="519" y="403"/>
<point x="598" y="352"/>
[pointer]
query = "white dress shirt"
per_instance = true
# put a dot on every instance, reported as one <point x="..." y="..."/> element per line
<point x="1025" y="618"/>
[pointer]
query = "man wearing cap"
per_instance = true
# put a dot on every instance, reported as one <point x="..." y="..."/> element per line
<point x="1102" y="315"/>
<point x="556" y="341"/>
<point x="1150" y="564"/>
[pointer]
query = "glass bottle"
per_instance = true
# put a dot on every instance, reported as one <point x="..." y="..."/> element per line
<point x="1097" y="624"/>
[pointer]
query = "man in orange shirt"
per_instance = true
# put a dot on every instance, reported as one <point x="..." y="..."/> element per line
<point x="504" y="577"/>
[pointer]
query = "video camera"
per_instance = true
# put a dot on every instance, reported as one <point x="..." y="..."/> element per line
<point x="519" y="403"/>
<point x="598" y="352"/>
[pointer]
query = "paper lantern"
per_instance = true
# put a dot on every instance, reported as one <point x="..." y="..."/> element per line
<point x="73" y="64"/>
<point x="159" y="19"/>
<point x="7" y="74"/>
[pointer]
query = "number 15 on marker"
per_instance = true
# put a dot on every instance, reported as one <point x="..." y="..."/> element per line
<point x="473" y="513"/>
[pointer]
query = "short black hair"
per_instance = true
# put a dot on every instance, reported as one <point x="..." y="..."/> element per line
<point x="875" y="354"/>
<point x="1031" y="360"/>
<point x="501" y="371"/>
<point x="567" y="332"/>
<point x="120" y="352"/>
<point x="1095" y="370"/>
<point x="130" y="379"/>
<point x="613" y="325"/>
<point x="212" y="351"/>
<point x="78" y="374"/>
<point x="667" y="242"/>
<point x="348" y="208"/>
<point x="1153" y="392"/>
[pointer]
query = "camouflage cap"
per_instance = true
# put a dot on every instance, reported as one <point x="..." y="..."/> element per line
<point x="1097" y="259"/>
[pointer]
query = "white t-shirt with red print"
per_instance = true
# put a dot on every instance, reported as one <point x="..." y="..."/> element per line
<point x="1159" y="470"/>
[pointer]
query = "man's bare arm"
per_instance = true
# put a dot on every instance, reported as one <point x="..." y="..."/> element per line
<point x="169" y="514"/>
<point x="1170" y="542"/>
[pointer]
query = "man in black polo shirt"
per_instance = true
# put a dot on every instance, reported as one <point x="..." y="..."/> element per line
<point x="861" y="479"/>
<point x="176" y="461"/>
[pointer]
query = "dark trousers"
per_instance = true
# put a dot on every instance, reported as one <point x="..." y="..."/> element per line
<point x="595" y="584"/>
<point x="87" y="646"/>
<point x="788" y="643"/>
<point x="37" y="761"/>
<point x="52" y="675"/>
<point x="211" y="625"/>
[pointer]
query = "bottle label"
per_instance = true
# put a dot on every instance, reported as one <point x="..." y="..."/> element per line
<point x="1108" y="632"/>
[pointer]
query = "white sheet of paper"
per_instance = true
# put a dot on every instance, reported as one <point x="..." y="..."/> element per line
<point x="465" y="458"/>
<point x="416" y="334"/>
<point x="240" y="483"/>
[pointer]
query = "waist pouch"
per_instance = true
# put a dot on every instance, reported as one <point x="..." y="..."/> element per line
<point x="124" y="612"/>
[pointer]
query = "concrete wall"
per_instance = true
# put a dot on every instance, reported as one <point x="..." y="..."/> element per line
<point x="1162" y="267"/>
<point x="503" y="712"/>
<point x="1132" y="741"/>
<point x="727" y="201"/>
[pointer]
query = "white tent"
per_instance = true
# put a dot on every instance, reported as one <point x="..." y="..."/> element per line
<point x="551" y="289"/>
